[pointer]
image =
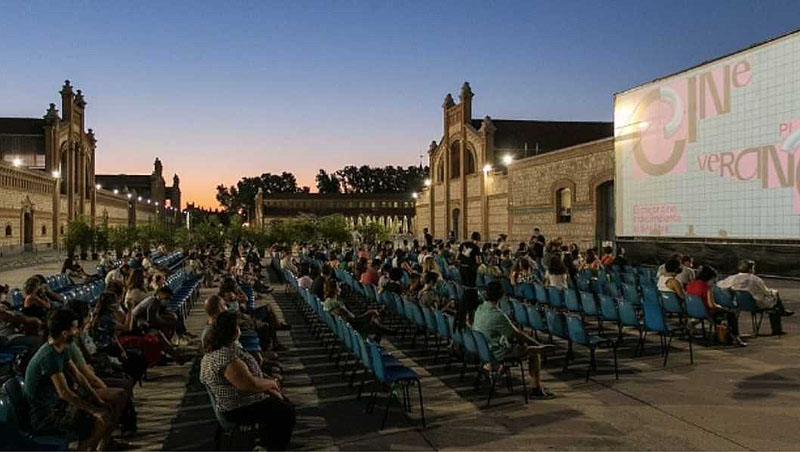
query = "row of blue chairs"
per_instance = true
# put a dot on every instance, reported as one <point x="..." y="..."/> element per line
<point x="388" y="373"/>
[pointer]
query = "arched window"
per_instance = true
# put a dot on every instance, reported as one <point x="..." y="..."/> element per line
<point x="564" y="205"/>
<point x="455" y="160"/>
<point x="62" y="229"/>
<point x="440" y="170"/>
<point x="8" y="230"/>
<point x="44" y="230"/>
<point x="469" y="164"/>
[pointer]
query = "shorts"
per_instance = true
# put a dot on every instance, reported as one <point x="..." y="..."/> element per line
<point x="65" y="419"/>
<point x="515" y="352"/>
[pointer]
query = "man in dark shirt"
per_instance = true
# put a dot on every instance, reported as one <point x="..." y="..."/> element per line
<point x="55" y="408"/>
<point x="428" y="237"/>
<point x="469" y="258"/>
<point x="537" y="244"/>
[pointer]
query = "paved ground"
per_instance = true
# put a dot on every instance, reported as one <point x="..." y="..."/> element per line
<point x="729" y="399"/>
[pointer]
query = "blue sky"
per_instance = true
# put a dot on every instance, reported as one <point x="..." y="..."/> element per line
<point x="220" y="90"/>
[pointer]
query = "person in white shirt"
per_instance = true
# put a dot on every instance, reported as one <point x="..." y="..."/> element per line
<point x="119" y="274"/>
<point x="687" y="273"/>
<point x="747" y="281"/>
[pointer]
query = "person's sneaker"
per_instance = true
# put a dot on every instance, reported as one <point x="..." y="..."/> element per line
<point x="540" y="394"/>
<point x="787" y="313"/>
<point x="737" y="341"/>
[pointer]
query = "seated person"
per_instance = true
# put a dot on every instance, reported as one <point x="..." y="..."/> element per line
<point x="608" y="257"/>
<point x="415" y="284"/>
<point x="73" y="270"/>
<point x="491" y="265"/>
<point x="119" y="274"/>
<point x="557" y="275"/>
<point x="667" y="281"/>
<point x="213" y="306"/>
<point x="373" y="273"/>
<point x="135" y="290"/>
<point x="702" y="289"/>
<point x="54" y="407"/>
<point x="241" y="392"/>
<point x="305" y="280"/>
<point x="394" y="284"/>
<point x="522" y="273"/>
<point x="36" y="304"/>
<point x="47" y="293"/>
<point x="368" y="322"/>
<point x="687" y="273"/>
<point x="19" y="330"/>
<point x="153" y="312"/>
<point x="747" y="281"/>
<point x="505" y="340"/>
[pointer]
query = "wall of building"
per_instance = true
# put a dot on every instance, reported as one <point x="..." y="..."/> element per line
<point x="25" y="191"/>
<point x="525" y="197"/>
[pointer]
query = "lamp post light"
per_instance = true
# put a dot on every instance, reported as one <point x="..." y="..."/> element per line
<point x="428" y="182"/>
<point x="487" y="168"/>
<point x="17" y="162"/>
<point x="56" y="174"/>
<point x="507" y="159"/>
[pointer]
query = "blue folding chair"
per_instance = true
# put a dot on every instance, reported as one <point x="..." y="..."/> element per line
<point x="490" y="366"/>
<point x="654" y="321"/>
<point x="746" y="302"/>
<point x="393" y="378"/>
<point x="556" y="297"/>
<point x="578" y="335"/>
<point x="571" y="301"/>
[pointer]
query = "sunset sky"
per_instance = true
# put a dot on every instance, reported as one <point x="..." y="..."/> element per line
<point x="220" y="90"/>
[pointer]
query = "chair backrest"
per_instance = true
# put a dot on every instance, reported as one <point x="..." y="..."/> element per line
<point x="14" y="388"/>
<point x="520" y="313"/>
<point x="671" y="303"/>
<point x="556" y="324"/>
<point x="588" y="303"/>
<point x="484" y="353"/>
<point x="538" y="322"/>
<point x="507" y="287"/>
<point x="505" y="305"/>
<point x="556" y="297"/>
<point x="650" y="293"/>
<point x="376" y="359"/>
<point x="653" y="315"/>
<point x="541" y="294"/>
<point x="723" y="297"/>
<point x="630" y="293"/>
<point x="695" y="307"/>
<point x="469" y="341"/>
<point x="745" y="301"/>
<point x="627" y="314"/>
<point x="608" y="308"/>
<point x="576" y="329"/>
<point x="430" y="320"/>
<point x="571" y="300"/>
<point x="457" y="336"/>
<point x="442" y="327"/>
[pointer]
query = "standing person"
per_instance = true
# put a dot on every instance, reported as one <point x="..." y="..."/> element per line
<point x="469" y="258"/>
<point x="428" y="238"/>
<point x="54" y="407"/>
<point x="537" y="244"/>
<point x="242" y="393"/>
<point x="506" y="341"/>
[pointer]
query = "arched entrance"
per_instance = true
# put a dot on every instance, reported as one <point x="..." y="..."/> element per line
<point x="456" y="219"/>
<point x="27" y="230"/>
<point x="605" y="227"/>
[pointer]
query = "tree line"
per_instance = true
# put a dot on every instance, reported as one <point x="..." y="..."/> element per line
<point x="350" y="179"/>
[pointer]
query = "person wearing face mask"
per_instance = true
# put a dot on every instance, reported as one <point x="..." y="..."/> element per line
<point x="54" y="407"/>
<point x="242" y="393"/>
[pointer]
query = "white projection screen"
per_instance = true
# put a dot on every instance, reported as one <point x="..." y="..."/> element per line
<point x="711" y="152"/>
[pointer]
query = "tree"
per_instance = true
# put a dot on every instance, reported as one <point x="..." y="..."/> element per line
<point x="373" y="232"/>
<point x="327" y="183"/>
<point x="333" y="229"/>
<point x="389" y="179"/>
<point x="241" y="195"/>
<point x="79" y="234"/>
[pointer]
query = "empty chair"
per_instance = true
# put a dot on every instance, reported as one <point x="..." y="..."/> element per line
<point x="654" y="321"/>
<point x="520" y="314"/>
<point x="578" y="335"/>
<point x="394" y="379"/>
<point x="589" y="304"/>
<point x="571" y="301"/>
<point x="631" y="294"/>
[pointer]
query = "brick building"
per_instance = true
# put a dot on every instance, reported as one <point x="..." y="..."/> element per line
<point x="509" y="176"/>
<point x="393" y="210"/>
<point x="149" y="186"/>
<point x="47" y="178"/>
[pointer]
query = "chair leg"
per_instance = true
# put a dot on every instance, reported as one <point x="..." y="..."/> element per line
<point x="616" y="369"/>
<point x="591" y="363"/>
<point x="666" y="349"/>
<point x="492" y="382"/>
<point x="388" y="404"/>
<point x="691" y="352"/>
<point x="421" y="405"/>
<point x="361" y="386"/>
<point x="524" y="384"/>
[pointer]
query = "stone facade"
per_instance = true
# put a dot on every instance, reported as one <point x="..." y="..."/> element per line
<point x="47" y="178"/>
<point x="393" y="210"/>
<point x="505" y="177"/>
